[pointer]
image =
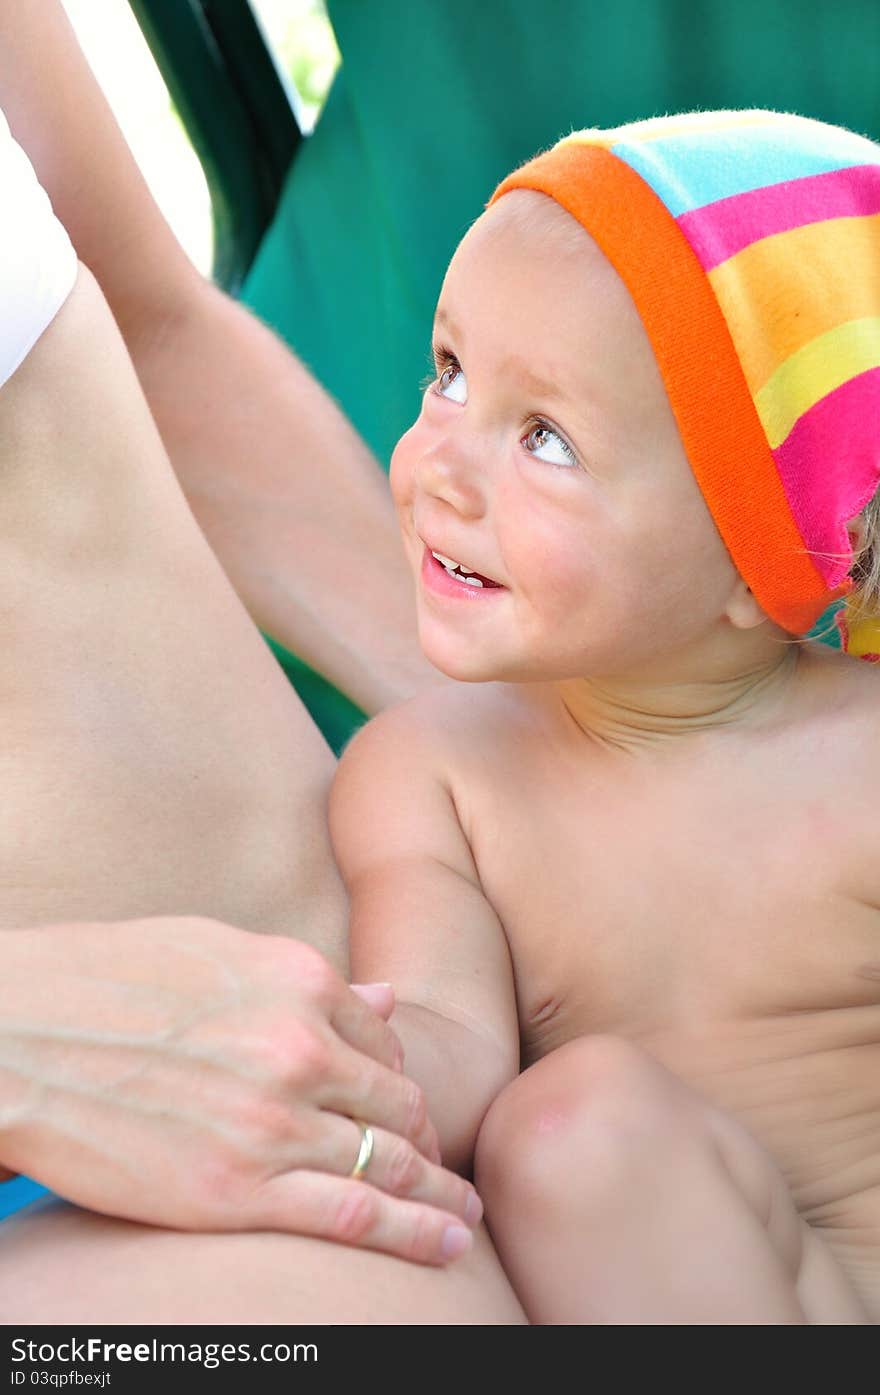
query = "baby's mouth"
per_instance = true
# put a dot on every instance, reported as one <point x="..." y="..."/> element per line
<point x="465" y="574"/>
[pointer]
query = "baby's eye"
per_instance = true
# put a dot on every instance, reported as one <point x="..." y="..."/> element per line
<point x="547" y="444"/>
<point x="452" y="383"/>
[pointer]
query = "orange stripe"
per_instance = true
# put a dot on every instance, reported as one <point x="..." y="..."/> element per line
<point x="716" y="416"/>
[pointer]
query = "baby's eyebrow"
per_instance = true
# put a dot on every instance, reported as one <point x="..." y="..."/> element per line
<point x="441" y="318"/>
<point x="541" y="387"/>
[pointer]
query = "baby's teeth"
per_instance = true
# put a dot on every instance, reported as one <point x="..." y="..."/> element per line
<point x="452" y="566"/>
<point x="447" y="561"/>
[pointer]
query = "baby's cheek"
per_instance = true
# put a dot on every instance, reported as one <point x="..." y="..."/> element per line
<point x="572" y="570"/>
<point x="400" y="474"/>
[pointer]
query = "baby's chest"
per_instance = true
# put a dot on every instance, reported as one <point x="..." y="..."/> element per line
<point x="629" y="913"/>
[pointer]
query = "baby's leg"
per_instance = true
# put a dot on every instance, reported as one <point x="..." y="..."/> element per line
<point x="62" y="1265"/>
<point x="615" y="1194"/>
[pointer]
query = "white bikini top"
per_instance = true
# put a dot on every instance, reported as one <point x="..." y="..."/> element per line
<point x="37" y="262"/>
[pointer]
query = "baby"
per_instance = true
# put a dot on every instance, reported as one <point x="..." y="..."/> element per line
<point x="634" y="854"/>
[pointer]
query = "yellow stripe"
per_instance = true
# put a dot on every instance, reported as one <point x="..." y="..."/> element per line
<point x="786" y="290"/>
<point x="663" y="127"/>
<point x="864" y="633"/>
<point x="814" y="371"/>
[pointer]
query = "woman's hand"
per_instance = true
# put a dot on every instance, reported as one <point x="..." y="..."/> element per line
<point x="184" y="1073"/>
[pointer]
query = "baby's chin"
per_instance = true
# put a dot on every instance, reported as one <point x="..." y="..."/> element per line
<point x="460" y="662"/>
<point x="463" y="669"/>
<point x="470" y="667"/>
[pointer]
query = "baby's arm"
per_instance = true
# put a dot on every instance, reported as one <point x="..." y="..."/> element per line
<point x="420" y="920"/>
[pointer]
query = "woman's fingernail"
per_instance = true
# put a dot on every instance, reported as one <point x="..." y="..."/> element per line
<point x="378" y="996"/>
<point x="455" y="1241"/>
<point x="473" y="1211"/>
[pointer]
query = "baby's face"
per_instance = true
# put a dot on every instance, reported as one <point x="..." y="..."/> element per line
<point x="547" y="462"/>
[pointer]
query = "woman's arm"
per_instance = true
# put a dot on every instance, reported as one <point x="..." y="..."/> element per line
<point x="420" y="920"/>
<point x="289" y="497"/>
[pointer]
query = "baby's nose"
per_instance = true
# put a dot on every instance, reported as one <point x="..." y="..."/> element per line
<point x="443" y="475"/>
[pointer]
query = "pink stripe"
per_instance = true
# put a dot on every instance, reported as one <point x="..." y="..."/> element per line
<point x="829" y="464"/>
<point x="719" y="230"/>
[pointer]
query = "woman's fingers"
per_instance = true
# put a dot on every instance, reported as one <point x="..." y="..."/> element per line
<point x="354" y="1019"/>
<point x="355" y="1213"/>
<point x="378" y="996"/>
<point x="397" y="1105"/>
<point x="387" y="1099"/>
<point x="395" y="1166"/>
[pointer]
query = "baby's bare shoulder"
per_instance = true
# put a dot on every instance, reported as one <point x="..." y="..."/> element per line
<point x="403" y="779"/>
<point x="443" y="726"/>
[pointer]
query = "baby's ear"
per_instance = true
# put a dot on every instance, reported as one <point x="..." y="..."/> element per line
<point x="857" y="529"/>
<point x="742" y="610"/>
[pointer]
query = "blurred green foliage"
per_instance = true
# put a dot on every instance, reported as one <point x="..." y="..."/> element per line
<point x="303" y="40"/>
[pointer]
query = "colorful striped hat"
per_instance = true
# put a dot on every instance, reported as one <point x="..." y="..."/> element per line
<point x="750" y="243"/>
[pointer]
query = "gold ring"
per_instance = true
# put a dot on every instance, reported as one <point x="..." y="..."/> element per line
<point x="365" y="1152"/>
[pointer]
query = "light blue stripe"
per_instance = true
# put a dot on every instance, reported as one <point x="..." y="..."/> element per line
<point x="18" y="1193"/>
<point x="690" y="170"/>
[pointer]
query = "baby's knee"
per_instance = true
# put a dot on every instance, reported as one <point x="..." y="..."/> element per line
<point x="587" y="1117"/>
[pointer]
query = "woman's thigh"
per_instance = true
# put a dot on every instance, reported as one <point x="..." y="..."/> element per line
<point x="154" y="759"/>
<point x="62" y="1265"/>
